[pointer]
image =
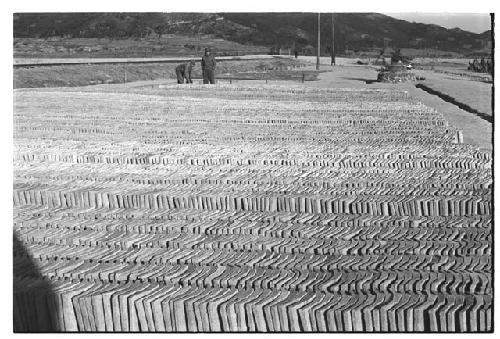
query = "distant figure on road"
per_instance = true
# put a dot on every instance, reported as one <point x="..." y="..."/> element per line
<point x="489" y="66"/>
<point x="183" y="71"/>
<point x="208" y="67"/>
<point x="296" y="54"/>
<point x="332" y="56"/>
<point x="475" y="65"/>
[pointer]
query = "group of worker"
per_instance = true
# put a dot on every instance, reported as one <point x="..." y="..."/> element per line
<point x="208" y="63"/>
<point x="483" y="66"/>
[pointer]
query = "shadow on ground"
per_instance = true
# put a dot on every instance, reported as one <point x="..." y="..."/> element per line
<point x="366" y="81"/>
<point x="453" y="101"/>
<point x="34" y="303"/>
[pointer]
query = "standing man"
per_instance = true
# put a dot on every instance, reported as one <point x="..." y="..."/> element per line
<point x="332" y="56"/>
<point x="183" y="71"/>
<point x="208" y="66"/>
<point x="475" y="65"/>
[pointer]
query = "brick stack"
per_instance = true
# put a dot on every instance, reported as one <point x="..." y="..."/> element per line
<point x="239" y="208"/>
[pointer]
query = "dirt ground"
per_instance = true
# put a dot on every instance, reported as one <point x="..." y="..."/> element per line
<point x="82" y="75"/>
<point x="476" y="94"/>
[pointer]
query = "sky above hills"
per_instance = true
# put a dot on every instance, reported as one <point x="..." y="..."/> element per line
<point x="472" y="22"/>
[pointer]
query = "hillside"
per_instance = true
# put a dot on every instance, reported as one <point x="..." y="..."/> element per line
<point x="353" y="31"/>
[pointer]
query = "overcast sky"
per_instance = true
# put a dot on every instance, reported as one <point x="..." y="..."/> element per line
<point x="473" y="22"/>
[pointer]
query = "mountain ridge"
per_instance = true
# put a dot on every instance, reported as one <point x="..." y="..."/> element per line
<point x="353" y="31"/>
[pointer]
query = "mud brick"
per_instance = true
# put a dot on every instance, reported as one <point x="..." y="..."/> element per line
<point x="309" y="210"/>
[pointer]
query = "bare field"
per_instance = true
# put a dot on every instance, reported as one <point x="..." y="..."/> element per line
<point x="476" y="94"/>
<point x="140" y="207"/>
<point x="169" y="45"/>
<point x="81" y="75"/>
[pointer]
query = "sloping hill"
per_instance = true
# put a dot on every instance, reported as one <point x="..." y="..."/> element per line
<point x="358" y="31"/>
<point x="353" y="31"/>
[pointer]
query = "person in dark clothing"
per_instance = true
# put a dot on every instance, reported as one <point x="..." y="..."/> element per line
<point x="208" y="67"/>
<point x="296" y="54"/>
<point x="332" y="55"/>
<point x="475" y="65"/>
<point x="396" y="56"/>
<point x="489" y="66"/>
<point x="183" y="71"/>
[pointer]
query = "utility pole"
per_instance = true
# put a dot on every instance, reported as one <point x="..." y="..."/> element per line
<point x="319" y="46"/>
<point x="333" y="42"/>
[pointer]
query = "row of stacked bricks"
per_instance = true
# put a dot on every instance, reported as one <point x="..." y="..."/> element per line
<point x="240" y="208"/>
